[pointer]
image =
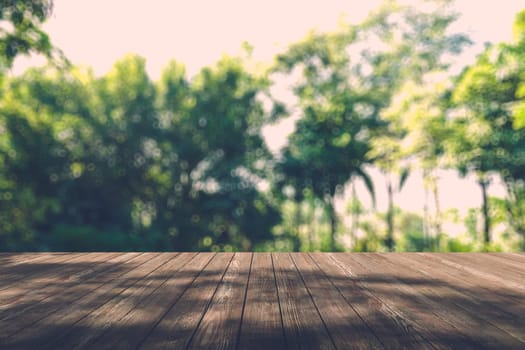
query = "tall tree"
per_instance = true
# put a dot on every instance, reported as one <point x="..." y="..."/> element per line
<point x="119" y="162"/>
<point x="212" y="128"/>
<point x="486" y="139"/>
<point x="412" y="46"/>
<point x="421" y="110"/>
<point x="345" y="79"/>
<point x="90" y="157"/>
<point x="332" y="137"/>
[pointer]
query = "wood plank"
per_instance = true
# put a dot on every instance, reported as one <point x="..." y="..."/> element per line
<point x="9" y="260"/>
<point x="133" y="328"/>
<point x="17" y="318"/>
<point x="487" y="306"/>
<point x="492" y="291"/>
<point x="438" y="299"/>
<point x="303" y="326"/>
<point x="426" y="320"/>
<point x="34" y="270"/>
<point x="18" y="257"/>
<point x="518" y="254"/>
<point x="462" y="261"/>
<point x="37" y="288"/>
<point x="346" y="328"/>
<point x="520" y="258"/>
<point x="262" y="326"/>
<point x="30" y="258"/>
<point x="392" y="329"/>
<point x="41" y="269"/>
<point x="176" y="328"/>
<point x="219" y="328"/>
<point x="37" y="300"/>
<point x="87" y="330"/>
<point x="501" y="262"/>
<point x="245" y="301"/>
<point x="69" y="314"/>
<point x="487" y="262"/>
<point x="501" y="292"/>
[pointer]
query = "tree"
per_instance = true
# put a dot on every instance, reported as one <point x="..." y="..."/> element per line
<point x="332" y="137"/>
<point x="75" y="140"/>
<point x="486" y="140"/>
<point x="348" y="84"/>
<point x="413" y="46"/>
<point x="421" y="111"/>
<point x="22" y="33"/>
<point x="356" y="209"/>
<point x="120" y="162"/>
<point x="212" y="132"/>
<point x="519" y="50"/>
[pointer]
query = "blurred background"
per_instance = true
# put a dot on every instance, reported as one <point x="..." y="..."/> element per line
<point x="230" y="126"/>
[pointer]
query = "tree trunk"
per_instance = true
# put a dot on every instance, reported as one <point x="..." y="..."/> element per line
<point x="355" y="216"/>
<point x="426" y="231"/>
<point x="311" y="225"/>
<point x="333" y="221"/>
<point x="390" y="217"/>
<point x="514" y="211"/>
<point x="521" y="232"/>
<point x="437" y="204"/>
<point x="483" y="183"/>
<point x="298" y="221"/>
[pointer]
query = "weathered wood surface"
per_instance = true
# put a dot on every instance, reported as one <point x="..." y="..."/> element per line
<point x="262" y="301"/>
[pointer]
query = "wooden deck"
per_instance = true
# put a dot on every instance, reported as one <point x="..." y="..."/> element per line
<point x="262" y="301"/>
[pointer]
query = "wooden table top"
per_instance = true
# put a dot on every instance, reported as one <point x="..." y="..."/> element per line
<point x="262" y="301"/>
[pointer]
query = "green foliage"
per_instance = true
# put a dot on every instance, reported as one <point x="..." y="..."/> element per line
<point x="86" y="238"/>
<point x="412" y="48"/>
<point x="411" y="228"/>
<point x="333" y="136"/>
<point x="121" y="162"/>
<point x="23" y="35"/>
<point x="487" y="137"/>
<point x="519" y="27"/>
<point x="134" y="164"/>
<point x="458" y="246"/>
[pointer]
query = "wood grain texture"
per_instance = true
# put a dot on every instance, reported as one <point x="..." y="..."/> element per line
<point x="36" y="270"/>
<point x="47" y="330"/>
<point x="510" y="256"/>
<point x="464" y="262"/>
<point x="87" y="330"/>
<point x="488" y="301"/>
<point x="262" y="326"/>
<point x="408" y="303"/>
<point x="9" y="260"/>
<point x="472" y="314"/>
<point x="345" y="326"/>
<point x="33" y="290"/>
<point x="220" y="324"/>
<point x="136" y="325"/>
<point x="262" y="301"/>
<point x="177" y="327"/>
<point x="392" y="329"/>
<point x="304" y="328"/>
<point x="32" y="306"/>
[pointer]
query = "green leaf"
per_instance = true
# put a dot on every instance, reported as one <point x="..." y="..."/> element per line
<point x="405" y="172"/>
<point x="343" y="140"/>
<point x="369" y="184"/>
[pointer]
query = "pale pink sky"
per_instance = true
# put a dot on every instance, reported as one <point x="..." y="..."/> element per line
<point x="98" y="32"/>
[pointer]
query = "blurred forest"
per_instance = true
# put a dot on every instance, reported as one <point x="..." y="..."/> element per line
<point x="120" y="162"/>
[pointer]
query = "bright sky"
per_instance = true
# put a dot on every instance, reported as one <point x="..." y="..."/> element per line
<point x="98" y="32"/>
